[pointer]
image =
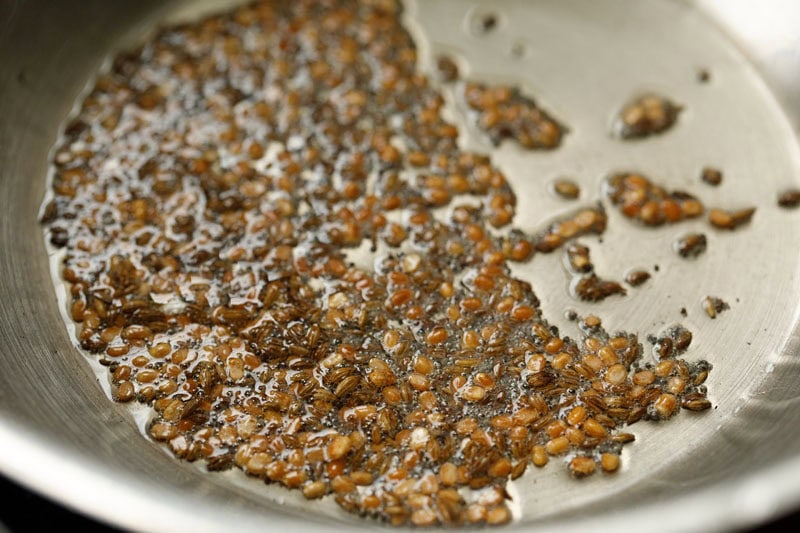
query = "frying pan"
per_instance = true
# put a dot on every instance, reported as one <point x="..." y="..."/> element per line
<point x="732" y="467"/>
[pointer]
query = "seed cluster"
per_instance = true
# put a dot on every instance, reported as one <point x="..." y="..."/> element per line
<point x="645" y="116"/>
<point x="723" y="219"/>
<point x="585" y="282"/>
<point x="503" y="112"/>
<point x="209" y="198"/>
<point x="640" y="199"/>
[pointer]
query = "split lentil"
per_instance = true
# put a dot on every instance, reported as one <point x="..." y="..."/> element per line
<point x="207" y="196"/>
<point x="567" y="189"/>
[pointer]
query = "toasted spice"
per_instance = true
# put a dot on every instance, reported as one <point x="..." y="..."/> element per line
<point x="209" y="269"/>
<point x="640" y="199"/>
<point x="503" y="112"/>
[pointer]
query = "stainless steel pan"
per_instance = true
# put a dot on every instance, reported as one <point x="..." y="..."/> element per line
<point x="727" y="469"/>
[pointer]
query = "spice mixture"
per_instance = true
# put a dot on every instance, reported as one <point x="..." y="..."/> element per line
<point x="209" y="195"/>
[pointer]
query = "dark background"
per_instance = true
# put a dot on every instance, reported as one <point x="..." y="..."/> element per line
<point x="22" y="511"/>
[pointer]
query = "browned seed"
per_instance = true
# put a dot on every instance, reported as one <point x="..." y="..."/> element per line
<point x="498" y="515"/>
<point x="566" y="188"/>
<point x="636" y="278"/>
<point x="683" y="338"/>
<point x="125" y="391"/>
<point x="789" y="199"/>
<point x="473" y="393"/>
<point x="436" y="336"/>
<point x="315" y="489"/>
<point x="695" y="402"/>
<point x="591" y="321"/>
<point x="500" y="468"/>
<point x="346" y="385"/>
<point x="595" y="429"/>
<point x="476" y="513"/>
<point x="691" y="245"/>
<point x="163" y="431"/>
<point x="342" y="485"/>
<point x="713" y="306"/>
<point x="582" y="466"/>
<point x="609" y="462"/>
<point x="338" y="447"/>
<point x="448" y="474"/>
<point x="539" y="456"/>
<point x="576" y="415"/>
<point x="665" y="405"/>
<point x="712" y="176"/>
<point x="160" y="350"/>
<point x="646" y="115"/>
<point x="423" y="517"/>
<point x="557" y="446"/>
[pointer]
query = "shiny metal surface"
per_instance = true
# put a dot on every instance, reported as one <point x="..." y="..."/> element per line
<point x="735" y="466"/>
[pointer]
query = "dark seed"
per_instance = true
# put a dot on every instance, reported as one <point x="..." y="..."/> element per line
<point x="448" y="70"/>
<point x="637" y="277"/>
<point x="789" y="199"/>
<point x="691" y="245"/>
<point x="712" y="176"/>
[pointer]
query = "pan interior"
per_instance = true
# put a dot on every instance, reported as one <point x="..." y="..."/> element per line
<point x="583" y="60"/>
